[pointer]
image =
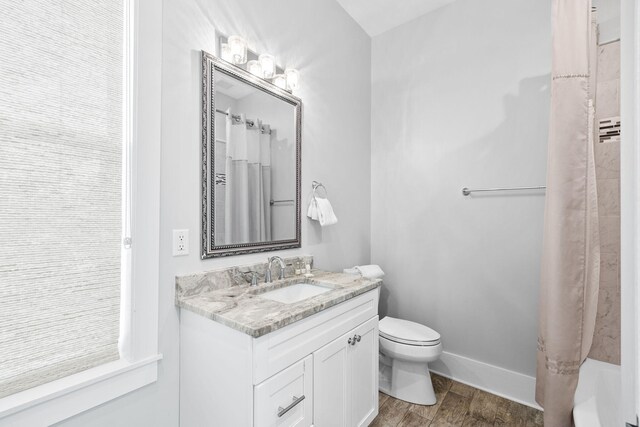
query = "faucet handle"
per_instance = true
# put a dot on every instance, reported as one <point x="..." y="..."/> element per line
<point x="249" y="276"/>
<point x="254" y="278"/>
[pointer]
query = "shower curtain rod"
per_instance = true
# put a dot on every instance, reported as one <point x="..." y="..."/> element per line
<point x="467" y="191"/>
<point x="239" y="119"/>
<point x="236" y="117"/>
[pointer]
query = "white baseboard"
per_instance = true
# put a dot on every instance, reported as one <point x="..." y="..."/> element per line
<point x="492" y="379"/>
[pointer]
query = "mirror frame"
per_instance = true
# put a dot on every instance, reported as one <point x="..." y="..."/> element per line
<point x="210" y="66"/>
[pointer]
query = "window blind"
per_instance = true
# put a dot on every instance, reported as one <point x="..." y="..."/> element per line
<point x="61" y="145"/>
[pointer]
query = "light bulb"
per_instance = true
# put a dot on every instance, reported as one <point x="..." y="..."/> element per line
<point x="225" y="52"/>
<point x="238" y="47"/>
<point x="268" y="63"/>
<point x="293" y="78"/>
<point x="280" y="80"/>
<point x="255" y="68"/>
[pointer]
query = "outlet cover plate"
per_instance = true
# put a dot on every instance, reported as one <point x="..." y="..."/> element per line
<point x="180" y="242"/>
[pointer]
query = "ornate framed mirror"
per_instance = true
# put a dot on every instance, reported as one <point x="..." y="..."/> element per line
<point x="251" y="160"/>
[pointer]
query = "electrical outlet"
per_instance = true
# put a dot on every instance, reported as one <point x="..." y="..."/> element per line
<point x="180" y="242"/>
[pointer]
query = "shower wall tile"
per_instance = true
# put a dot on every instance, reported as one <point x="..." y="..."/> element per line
<point x="609" y="62"/>
<point x="606" y="338"/>
<point x="606" y="342"/>
<point x="608" y="99"/>
<point x="607" y="158"/>
<point x="610" y="234"/>
<point x="608" y="197"/>
<point x="609" y="268"/>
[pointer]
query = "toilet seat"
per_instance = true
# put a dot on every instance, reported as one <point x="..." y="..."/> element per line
<point x="407" y="332"/>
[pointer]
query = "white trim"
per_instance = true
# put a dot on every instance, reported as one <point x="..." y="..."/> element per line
<point x="146" y="179"/>
<point x="630" y="208"/>
<point x="492" y="379"/>
<point x="128" y="138"/>
<point x="55" y="401"/>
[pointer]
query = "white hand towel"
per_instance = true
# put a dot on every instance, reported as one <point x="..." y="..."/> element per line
<point x="312" y="212"/>
<point x="326" y="216"/>
<point x="372" y="271"/>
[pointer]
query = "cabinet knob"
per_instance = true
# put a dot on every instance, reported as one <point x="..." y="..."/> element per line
<point x="358" y="338"/>
<point x="351" y="341"/>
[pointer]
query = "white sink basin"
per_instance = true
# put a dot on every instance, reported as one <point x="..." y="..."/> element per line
<point x="294" y="293"/>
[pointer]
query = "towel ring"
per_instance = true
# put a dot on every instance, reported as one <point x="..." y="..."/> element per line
<point x="316" y="185"/>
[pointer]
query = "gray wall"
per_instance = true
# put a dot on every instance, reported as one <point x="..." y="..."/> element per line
<point x="460" y="98"/>
<point x="333" y="56"/>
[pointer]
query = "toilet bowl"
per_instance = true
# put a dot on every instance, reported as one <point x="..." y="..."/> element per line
<point x="406" y="348"/>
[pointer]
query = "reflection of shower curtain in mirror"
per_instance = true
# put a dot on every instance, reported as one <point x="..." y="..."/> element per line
<point x="248" y="182"/>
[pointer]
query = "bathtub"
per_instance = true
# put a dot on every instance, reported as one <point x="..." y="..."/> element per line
<point x="597" y="399"/>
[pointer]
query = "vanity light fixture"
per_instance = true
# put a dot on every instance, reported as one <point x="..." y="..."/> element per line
<point x="280" y="80"/>
<point x="238" y="46"/>
<point x="255" y="68"/>
<point x="268" y="63"/>
<point x="235" y="50"/>
<point x="225" y="52"/>
<point x="292" y="77"/>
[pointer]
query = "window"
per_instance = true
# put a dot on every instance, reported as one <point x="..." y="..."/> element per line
<point x="66" y="121"/>
<point x="61" y="145"/>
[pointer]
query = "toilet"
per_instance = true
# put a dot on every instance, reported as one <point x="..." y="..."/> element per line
<point x="406" y="348"/>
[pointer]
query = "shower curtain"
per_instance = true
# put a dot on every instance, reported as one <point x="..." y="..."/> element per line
<point x="571" y="247"/>
<point x="248" y="181"/>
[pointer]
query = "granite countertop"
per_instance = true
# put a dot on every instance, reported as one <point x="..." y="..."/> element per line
<point x="241" y="308"/>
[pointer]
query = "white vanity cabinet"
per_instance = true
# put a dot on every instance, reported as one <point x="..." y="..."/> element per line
<point x="320" y="371"/>
<point x="345" y="378"/>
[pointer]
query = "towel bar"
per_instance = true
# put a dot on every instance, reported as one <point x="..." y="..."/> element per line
<point x="467" y="191"/>
<point x="273" y="202"/>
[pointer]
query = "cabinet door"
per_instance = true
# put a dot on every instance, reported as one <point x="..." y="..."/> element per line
<point x="286" y="399"/>
<point x="363" y="373"/>
<point x="330" y="384"/>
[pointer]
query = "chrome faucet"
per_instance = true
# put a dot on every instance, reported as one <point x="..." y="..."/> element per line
<point x="267" y="274"/>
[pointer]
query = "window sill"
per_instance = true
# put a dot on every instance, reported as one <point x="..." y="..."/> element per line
<point x="58" y="400"/>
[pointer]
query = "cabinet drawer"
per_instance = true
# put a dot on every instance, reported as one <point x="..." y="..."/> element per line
<point x="286" y="399"/>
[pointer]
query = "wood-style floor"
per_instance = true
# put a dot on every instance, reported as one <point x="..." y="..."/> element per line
<point x="458" y="405"/>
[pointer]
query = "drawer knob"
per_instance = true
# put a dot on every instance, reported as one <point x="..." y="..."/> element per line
<point x="358" y="338"/>
<point x="296" y="400"/>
